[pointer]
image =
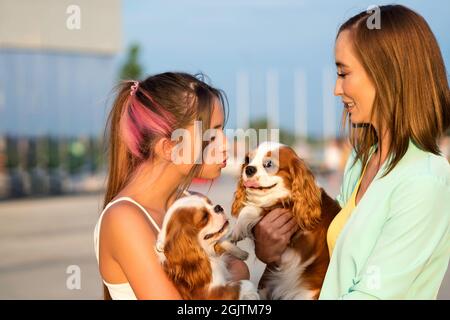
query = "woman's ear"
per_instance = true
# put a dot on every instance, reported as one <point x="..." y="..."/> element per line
<point x="305" y="194"/>
<point x="164" y="147"/>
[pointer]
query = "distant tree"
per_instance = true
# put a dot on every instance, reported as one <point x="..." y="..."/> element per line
<point x="31" y="154"/>
<point x="13" y="165"/>
<point x="57" y="162"/>
<point x="12" y="153"/>
<point x="94" y="154"/>
<point x="53" y="153"/>
<point x="131" y="69"/>
<point x="77" y="155"/>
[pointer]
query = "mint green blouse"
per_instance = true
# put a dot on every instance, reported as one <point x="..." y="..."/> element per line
<point x="396" y="243"/>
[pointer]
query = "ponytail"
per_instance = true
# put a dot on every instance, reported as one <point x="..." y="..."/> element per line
<point x="119" y="162"/>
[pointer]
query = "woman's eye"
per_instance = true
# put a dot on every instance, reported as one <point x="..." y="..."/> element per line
<point x="341" y="75"/>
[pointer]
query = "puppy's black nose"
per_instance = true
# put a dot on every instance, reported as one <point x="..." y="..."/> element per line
<point x="250" y="171"/>
<point x="218" y="209"/>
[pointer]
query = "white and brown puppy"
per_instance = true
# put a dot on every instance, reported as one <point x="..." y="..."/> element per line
<point x="274" y="176"/>
<point x="192" y="248"/>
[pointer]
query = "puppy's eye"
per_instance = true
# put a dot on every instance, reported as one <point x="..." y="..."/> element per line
<point x="268" y="164"/>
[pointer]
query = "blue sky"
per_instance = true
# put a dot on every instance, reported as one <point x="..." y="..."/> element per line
<point x="221" y="38"/>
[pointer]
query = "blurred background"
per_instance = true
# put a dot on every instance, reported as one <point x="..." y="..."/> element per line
<point x="59" y="61"/>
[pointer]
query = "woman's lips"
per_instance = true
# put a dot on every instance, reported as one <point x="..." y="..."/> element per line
<point x="349" y="106"/>
<point x="224" y="162"/>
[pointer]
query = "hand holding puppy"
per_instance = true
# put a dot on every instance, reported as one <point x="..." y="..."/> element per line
<point x="272" y="235"/>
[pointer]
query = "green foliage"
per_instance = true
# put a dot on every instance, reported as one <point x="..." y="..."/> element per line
<point x="53" y="153"/>
<point x="32" y="154"/>
<point x="131" y="69"/>
<point x="76" y="156"/>
<point x="12" y="153"/>
<point x="95" y="157"/>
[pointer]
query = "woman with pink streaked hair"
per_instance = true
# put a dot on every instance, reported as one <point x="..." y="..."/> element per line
<point x="142" y="171"/>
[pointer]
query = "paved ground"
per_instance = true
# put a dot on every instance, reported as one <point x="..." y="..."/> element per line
<point x="40" y="238"/>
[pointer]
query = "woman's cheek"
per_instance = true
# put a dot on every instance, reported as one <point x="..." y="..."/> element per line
<point x="348" y="87"/>
<point x="210" y="171"/>
<point x="187" y="168"/>
<point x="213" y="153"/>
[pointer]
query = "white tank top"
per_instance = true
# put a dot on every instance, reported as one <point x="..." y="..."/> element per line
<point x="119" y="291"/>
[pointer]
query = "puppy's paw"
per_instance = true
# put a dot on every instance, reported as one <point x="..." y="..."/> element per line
<point x="236" y="235"/>
<point x="234" y="250"/>
<point x="241" y="254"/>
<point x="248" y="291"/>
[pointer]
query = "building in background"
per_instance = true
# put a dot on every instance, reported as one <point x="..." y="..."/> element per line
<point x="57" y="67"/>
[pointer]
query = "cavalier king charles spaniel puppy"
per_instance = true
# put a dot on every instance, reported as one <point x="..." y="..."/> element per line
<point x="274" y="176"/>
<point x="193" y="251"/>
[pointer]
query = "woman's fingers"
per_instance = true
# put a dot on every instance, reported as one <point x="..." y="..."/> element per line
<point x="289" y="228"/>
<point x="272" y="235"/>
<point x="282" y="219"/>
<point x="275" y="214"/>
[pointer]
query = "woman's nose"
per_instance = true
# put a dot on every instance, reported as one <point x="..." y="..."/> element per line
<point x="338" y="88"/>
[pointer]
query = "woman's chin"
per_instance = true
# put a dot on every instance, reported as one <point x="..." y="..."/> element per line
<point x="358" y="119"/>
<point x="211" y="175"/>
<point x="355" y="120"/>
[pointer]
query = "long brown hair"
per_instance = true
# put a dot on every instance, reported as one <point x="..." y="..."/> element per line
<point x="404" y="62"/>
<point x="139" y="118"/>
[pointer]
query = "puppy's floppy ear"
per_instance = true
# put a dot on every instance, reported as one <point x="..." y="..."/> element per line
<point x="305" y="194"/>
<point x="239" y="195"/>
<point x="186" y="262"/>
